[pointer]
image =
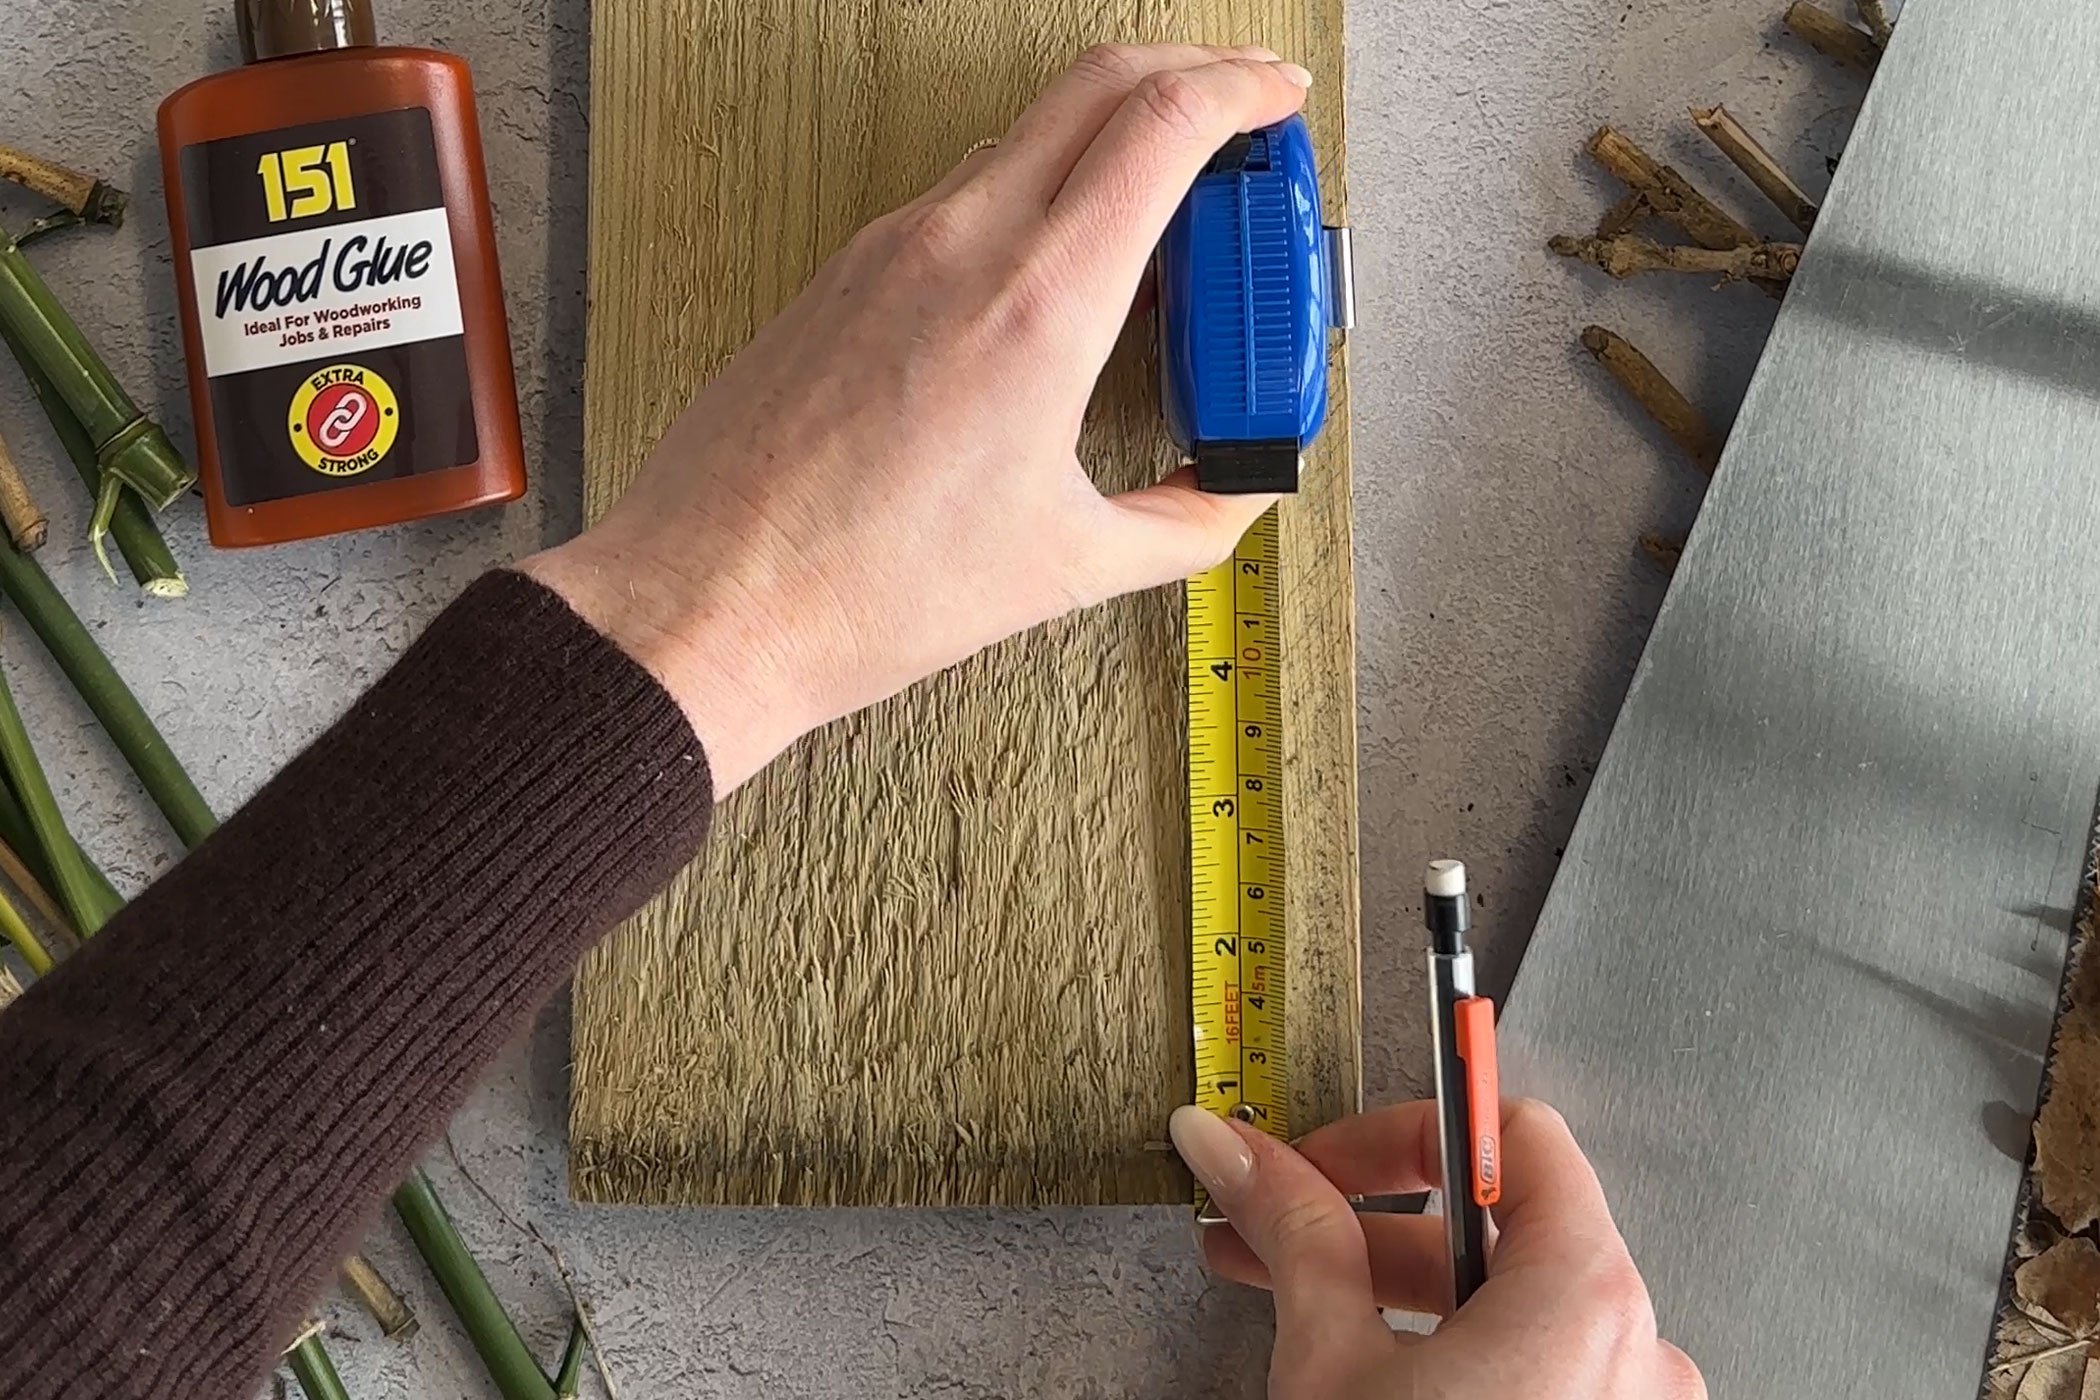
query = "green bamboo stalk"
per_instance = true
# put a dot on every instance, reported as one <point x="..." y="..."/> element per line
<point x="315" y="1371"/>
<point x="74" y="887"/>
<point x="25" y="942"/>
<point x="24" y="581"/>
<point x="138" y="538"/>
<point x="21" y="837"/>
<point x="571" y="1371"/>
<point x="494" y="1335"/>
<point x="130" y="448"/>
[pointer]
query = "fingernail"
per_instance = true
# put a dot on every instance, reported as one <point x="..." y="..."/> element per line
<point x="1295" y="73"/>
<point x="1218" y="1156"/>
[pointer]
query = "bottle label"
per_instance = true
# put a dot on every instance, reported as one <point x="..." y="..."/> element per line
<point x="328" y="305"/>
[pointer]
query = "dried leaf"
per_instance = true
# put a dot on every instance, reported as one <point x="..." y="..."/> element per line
<point x="2064" y="1285"/>
<point x="2089" y="1388"/>
<point x="2058" y="1377"/>
<point x="2067" y="1131"/>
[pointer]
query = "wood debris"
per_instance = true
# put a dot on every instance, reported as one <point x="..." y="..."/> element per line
<point x="1875" y="15"/>
<point x="1667" y="194"/>
<point x="1664" y="554"/>
<point x="1630" y="255"/>
<point x="96" y="201"/>
<point x="26" y="525"/>
<point x="1750" y="157"/>
<point x="1664" y="401"/>
<point x="1834" y="37"/>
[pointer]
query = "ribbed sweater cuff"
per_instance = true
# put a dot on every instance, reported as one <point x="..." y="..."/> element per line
<point x="201" y="1110"/>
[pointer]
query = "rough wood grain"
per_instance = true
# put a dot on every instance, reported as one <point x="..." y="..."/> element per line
<point x="937" y="953"/>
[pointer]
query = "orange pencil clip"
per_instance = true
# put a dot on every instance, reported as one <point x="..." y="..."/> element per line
<point x="1475" y="1017"/>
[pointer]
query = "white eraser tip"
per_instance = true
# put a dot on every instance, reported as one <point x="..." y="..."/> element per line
<point x="1446" y="878"/>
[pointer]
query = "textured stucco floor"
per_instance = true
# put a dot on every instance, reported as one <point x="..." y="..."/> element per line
<point x="1502" y="602"/>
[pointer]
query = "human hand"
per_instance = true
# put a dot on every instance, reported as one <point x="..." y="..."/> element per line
<point x="1563" y="1316"/>
<point x="885" y="480"/>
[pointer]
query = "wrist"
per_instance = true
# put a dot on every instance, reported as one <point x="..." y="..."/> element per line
<point x="701" y="643"/>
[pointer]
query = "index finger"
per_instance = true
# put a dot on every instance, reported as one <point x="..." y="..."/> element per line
<point x="1037" y="154"/>
<point x="1116" y="203"/>
<point x="1390" y="1150"/>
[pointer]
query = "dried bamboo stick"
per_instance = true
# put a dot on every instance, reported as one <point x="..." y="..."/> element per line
<point x="1832" y="37"/>
<point x="1629" y="255"/>
<point x="1876" y="15"/>
<point x="1667" y="194"/>
<point x="1623" y="216"/>
<point x="26" y="525"/>
<point x="1750" y="157"/>
<point x="97" y="201"/>
<point x="394" y="1316"/>
<point x="19" y="874"/>
<point x="1664" y="401"/>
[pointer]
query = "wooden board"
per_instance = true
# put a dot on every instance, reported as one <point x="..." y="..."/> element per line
<point x="938" y="952"/>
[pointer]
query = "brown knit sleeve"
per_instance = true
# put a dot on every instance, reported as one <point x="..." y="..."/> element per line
<point x="202" y="1110"/>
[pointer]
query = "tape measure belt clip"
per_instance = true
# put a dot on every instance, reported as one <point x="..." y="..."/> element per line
<point x="1251" y="282"/>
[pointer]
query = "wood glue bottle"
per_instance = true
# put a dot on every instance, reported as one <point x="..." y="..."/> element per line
<point x="341" y="308"/>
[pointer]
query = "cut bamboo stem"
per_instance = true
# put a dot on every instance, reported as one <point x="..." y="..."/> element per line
<point x="133" y="452"/>
<point x="1630" y="255"/>
<point x="24" y="582"/>
<point x="494" y="1335"/>
<point x="26" y="525"/>
<point x="1735" y="141"/>
<point x="1831" y="36"/>
<point x="138" y="539"/>
<point x="97" y="201"/>
<point x="316" y="1373"/>
<point x="17" y="833"/>
<point x="24" y="940"/>
<point x="1668" y="195"/>
<point x="1876" y="15"/>
<point x="76" y="889"/>
<point x="395" y="1318"/>
<point x="24" y="879"/>
<point x="567" y="1376"/>
<point x="1664" y="401"/>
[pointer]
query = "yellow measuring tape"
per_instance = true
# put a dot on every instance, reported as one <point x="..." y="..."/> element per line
<point x="1237" y="871"/>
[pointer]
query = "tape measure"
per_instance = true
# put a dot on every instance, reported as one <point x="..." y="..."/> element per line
<point x="1250" y="282"/>
<point x="1236" y="836"/>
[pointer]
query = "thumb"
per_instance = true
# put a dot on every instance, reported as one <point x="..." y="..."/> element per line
<point x="1172" y="530"/>
<point x="1327" y="1319"/>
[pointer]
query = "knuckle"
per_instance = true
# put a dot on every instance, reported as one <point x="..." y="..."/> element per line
<point x="1027" y="305"/>
<point x="1111" y="64"/>
<point x="1535" y="1116"/>
<point x="1176" y="103"/>
<point x="1301" y="1225"/>
<point x="1624" y="1312"/>
<point x="932" y="236"/>
<point x="1686" y="1382"/>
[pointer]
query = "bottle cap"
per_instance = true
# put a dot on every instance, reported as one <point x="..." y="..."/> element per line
<point x="284" y="28"/>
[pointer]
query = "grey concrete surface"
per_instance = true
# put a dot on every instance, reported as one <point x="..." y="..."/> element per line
<point x="1502" y="604"/>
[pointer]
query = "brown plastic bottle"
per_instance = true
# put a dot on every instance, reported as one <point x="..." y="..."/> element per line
<point x="341" y="308"/>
